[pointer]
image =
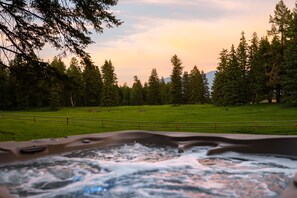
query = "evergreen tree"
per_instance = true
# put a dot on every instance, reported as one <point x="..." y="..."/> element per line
<point x="125" y="95"/>
<point x="279" y="30"/>
<point x="264" y="63"/>
<point x="136" y="94"/>
<point x="242" y="58"/>
<point x="186" y="88"/>
<point x="75" y="88"/>
<point x="92" y="83"/>
<point x="280" y="22"/>
<point x="110" y="94"/>
<point x="57" y="87"/>
<point x="196" y="87"/>
<point x="218" y="94"/>
<point x="154" y="91"/>
<point x="206" y="93"/>
<point x="145" y="92"/>
<point x="59" y="65"/>
<point x="233" y="87"/>
<point x="252" y="66"/>
<point x="289" y="80"/>
<point x="176" y="81"/>
<point x="5" y="96"/>
<point x="258" y="53"/>
<point x="275" y="69"/>
<point x="29" y="81"/>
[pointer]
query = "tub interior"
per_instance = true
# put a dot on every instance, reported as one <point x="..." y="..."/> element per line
<point x="149" y="170"/>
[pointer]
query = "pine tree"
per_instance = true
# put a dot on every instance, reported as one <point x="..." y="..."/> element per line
<point x="206" y="93"/>
<point x="264" y="63"/>
<point x="196" y="87"/>
<point x="125" y="95"/>
<point x="275" y="69"/>
<point x="233" y="87"/>
<point x="144" y="92"/>
<point x="176" y="81"/>
<point x="136" y="94"/>
<point x="92" y="83"/>
<point x="29" y="81"/>
<point x="75" y="87"/>
<point x="5" y="97"/>
<point x="154" y="91"/>
<point x="280" y="22"/>
<point x="57" y="86"/>
<point x="242" y="58"/>
<point x="186" y="88"/>
<point x="289" y="80"/>
<point x="258" y="52"/>
<point x="279" y="30"/>
<point x="59" y="65"/>
<point x="110" y="94"/>
<point x="218" y="94"/>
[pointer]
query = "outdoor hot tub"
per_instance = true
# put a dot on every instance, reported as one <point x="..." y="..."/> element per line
<point x="150" y="164"/>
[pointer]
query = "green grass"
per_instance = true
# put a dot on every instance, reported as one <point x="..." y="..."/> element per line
<point x="192" y="118"/>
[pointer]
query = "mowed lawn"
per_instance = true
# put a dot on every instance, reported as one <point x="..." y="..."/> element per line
<point x="43" y="123"/>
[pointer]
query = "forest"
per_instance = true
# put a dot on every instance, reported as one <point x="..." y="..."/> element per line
<point x="262" y="70"/>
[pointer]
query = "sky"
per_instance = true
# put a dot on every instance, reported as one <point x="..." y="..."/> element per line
<point x="195" y="30"/>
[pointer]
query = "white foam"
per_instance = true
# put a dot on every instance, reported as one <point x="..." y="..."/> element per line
<point x="148" y="171"/>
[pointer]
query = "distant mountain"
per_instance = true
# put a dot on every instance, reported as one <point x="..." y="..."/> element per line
<point x="210" y="78"/>
<point x="167" y="80"/>
<point x="209" y="75"/>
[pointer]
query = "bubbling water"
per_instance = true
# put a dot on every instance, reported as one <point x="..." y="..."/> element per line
<point x="137" y="170"/>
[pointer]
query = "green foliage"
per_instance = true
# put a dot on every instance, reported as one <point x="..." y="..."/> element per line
<point x="256" y="72"/>
<point x="279" y="30"/>
<point x="165" y="91"/>
<point x="176" y="81"/>
<point x="196" y="88"/>
<point x="280" y="21"/>
<point x="289" y="80"/>
<point x="154" y="89"/>
<point x="206" y="93"/>
<point x="110" y="94"/>
<point x="276" y="67"/>
<point x="234" y="92"/>
<point x="75" y="85"/>
<point x="124" y="92"/>
<point x="29" y="83"/>
<point x="186" y="88"/>
<point x="28" y="26"/>
<point x="259" y="58"/>
<point x="136" y="95"/>
<point x="92" y="84"/>
<point x="242" y="59"/>
<point x="57" y="84"/>
<point x="218" y="95"/>
<point x="5" y="95"/>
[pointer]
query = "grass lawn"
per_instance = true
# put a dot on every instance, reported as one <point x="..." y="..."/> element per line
<point x="42" y="123"/>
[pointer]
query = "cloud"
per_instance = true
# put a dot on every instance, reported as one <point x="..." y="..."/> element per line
<point x="196" y="30"/>
<point x="196" y="42"/>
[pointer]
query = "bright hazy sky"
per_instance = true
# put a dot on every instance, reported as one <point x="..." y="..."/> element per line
<point x="195" y="30"/>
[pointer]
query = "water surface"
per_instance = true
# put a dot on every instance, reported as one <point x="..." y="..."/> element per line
<point x="137" y="170"/>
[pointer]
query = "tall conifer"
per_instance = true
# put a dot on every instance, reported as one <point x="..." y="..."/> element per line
<point x="176" y="81"/>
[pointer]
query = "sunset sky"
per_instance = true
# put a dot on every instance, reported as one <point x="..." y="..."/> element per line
<point x="195" y="30"/>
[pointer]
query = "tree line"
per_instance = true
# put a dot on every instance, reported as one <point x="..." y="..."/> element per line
<point x="29" y="84"/>
<point x="263" y="70"/>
